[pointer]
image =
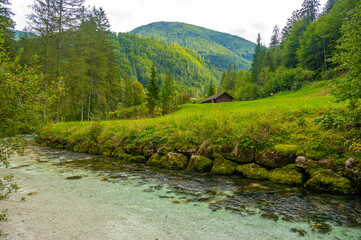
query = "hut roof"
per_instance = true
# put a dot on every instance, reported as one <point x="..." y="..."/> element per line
<point x="214" y="97"/>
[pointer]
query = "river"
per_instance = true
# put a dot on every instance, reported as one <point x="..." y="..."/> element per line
<point x="67" y="195"/>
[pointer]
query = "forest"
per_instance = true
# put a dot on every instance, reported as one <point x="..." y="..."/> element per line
<point x="306" y="49"/>
<point x="92" y="73"/>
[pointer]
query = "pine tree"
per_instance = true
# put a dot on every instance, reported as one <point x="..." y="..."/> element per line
<point x="258" y="56"/>
<point x="275" y="38"/>
<point x="211" y="90"/>
<point x="153" y="91"/>
<point x="6" y="23"/>
<point x="310" y="9"/>
<point x="167" y="94"/>
<point x="329" y="5"/>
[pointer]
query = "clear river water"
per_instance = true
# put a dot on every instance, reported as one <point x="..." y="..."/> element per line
<point x="92" y="197"/>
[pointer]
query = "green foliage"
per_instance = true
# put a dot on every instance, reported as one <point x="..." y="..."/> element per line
<point x="211" y="90"/>
<point x="258" y="56"/>
<point x="76" y="51"/>
<point x="190" y="72"/>
<point x="219" y="49"/>
<point x="339" y="118"/>
<point x="153" y="91"/>
<point x="139" y="93"/>
<point x="348" y="86"/>
<point x="128" y="96"/>
<point x="134" y="112"/>
<point x="6" y="24"/>
<point x="22" y="96"/>
<point x="167" y="94"/>
<point x="183" y="98"/>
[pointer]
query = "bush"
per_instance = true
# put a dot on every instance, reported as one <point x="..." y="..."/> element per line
<point x="284" y="79"/>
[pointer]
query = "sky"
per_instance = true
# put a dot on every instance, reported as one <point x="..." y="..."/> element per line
<point x="244" y="18"/>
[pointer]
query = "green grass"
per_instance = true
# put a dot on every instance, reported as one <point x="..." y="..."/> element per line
<point x="232" y="129"/>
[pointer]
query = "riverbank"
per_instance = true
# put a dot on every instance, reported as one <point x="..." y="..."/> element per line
<point x="297" y="138"/>
<point x="79" y="196"/>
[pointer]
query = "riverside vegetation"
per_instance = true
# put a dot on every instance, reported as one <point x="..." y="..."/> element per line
<point x="298" y="138"/>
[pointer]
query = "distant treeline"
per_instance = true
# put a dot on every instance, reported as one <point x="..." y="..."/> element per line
<point x="303" y="51"/>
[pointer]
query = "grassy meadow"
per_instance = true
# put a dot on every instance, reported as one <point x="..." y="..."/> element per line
<point x="307" y="119"/>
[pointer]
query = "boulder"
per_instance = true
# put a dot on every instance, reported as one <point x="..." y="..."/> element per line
<point x="286" y="175"/>
<point x="253" y="171"/>
<point x="241" y="157"/>
<point x="353" y="172"/>
<point x="175" y="161"/>
<point x="171" y="160"/>
<point x="223" y="166"/>
<point x="286" y="149"/>
<point x="328" y="180"/>
<point x="303" y="163"/>
<point x="118" y="152"/>
<point x="199" y="163"/>
<point x="276" y="159"/>
<point x="137" y="159"/>
<point x="154" y="160"/>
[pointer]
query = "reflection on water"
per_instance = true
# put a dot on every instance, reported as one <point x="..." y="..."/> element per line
<point x="325" y="214"/>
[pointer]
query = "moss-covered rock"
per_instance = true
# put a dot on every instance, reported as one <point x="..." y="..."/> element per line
<point x="273" y="159"/>
<point x="286" y="175"/>
<point x="253" y="171"/>
<point x="174" y="161"/>
<point x="155" y="160"/>
<point x="118" y="152"/>
<point x="286" y="149"/>
<point x="171" y="160"/>
<point x="328" y="180"/>
<point x="223" y="166"/>
<point x="137" y="159"/>
<point x="241" y="158"/>
<point x="199" y="163"/>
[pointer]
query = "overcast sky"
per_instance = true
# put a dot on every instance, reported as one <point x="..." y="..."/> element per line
<point x="244" y="18"/>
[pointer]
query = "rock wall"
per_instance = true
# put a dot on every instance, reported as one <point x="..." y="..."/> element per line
<point x="279" y="164"/>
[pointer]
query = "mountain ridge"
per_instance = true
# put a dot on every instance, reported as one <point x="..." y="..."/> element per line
<point x="218" y="48"/>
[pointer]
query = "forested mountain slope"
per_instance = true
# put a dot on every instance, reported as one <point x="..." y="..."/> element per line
<point x="188" y="69"/>
<point x="219" y="49"/>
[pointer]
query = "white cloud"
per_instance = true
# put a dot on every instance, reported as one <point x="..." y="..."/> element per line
<point x="245" y="18"/>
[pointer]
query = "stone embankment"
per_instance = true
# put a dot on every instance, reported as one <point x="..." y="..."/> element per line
<point x="279" y="164"/>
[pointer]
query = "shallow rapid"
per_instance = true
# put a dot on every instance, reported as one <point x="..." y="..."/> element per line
<point x="79" y="196"/>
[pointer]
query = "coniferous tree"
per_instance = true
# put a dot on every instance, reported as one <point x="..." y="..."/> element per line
<point x="211" y="90"/>
<point x="6" y="23"/>
<point x="275" y="38"/>
<point x="167" y="94"/>
<point x="258" y="56"/>
<point x="153" y="91"/>
<point x="329" y="5"/>
<point x="296" y="16"/>
<point x="310" y="9"/>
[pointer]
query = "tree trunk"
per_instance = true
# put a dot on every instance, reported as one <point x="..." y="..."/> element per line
<point x="324" y="54"/>
<point x="90" y="97"/>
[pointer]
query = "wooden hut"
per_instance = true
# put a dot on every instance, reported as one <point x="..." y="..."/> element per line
<point x="220" y="97"/>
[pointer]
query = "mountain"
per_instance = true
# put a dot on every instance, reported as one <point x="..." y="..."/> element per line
<point x="219" y="49"/>
<point x="187" y="68"/>
<point x="18" y="34"/>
